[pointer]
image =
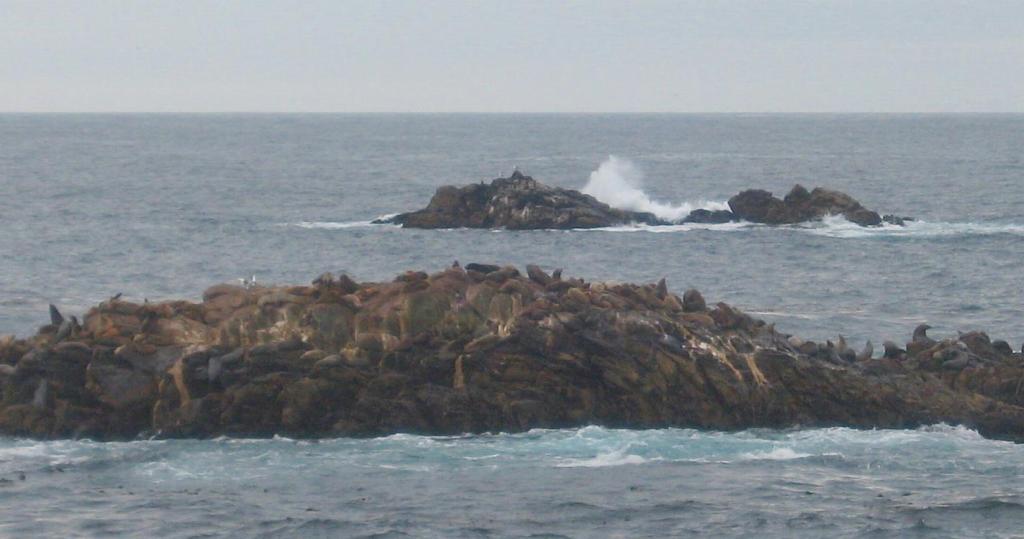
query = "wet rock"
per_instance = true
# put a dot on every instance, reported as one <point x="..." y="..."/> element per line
<point x="711" y="217"/>
<point x="760" y="206"/>
<point x="117" y="384"/>
<point x="483" y="350"/>
<point x="517" y="202"/>
<point x="896" y="220"/>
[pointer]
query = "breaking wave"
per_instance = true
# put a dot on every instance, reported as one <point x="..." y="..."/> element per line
<point x="341" y="225"/>
<point x="618" y="183"/>
<point x="837" y="226"/>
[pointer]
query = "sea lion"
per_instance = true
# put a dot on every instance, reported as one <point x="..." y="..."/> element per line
<point x="892" y="350"/>
<point x="1002" y="348"/>
<point x="921" y="335"/>
<point x="56" y="318"/>
<point x="867" y="352"/>
<point x="920" y="341"/>
<point x="958" y="359"/>
<point x="67" y="328"/>
<point x="482" y="268"/>
<point x="661" y="290"/>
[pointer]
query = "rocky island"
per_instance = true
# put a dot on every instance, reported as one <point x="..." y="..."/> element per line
<point x="476" y="349"/>
<point x="520" y="202"/>
<point x="517" y="203"/>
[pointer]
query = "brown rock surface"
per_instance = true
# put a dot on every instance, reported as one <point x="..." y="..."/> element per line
<point x="464" y="351"/>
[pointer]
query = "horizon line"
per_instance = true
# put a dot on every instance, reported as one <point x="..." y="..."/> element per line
<point x="509" y="113"/>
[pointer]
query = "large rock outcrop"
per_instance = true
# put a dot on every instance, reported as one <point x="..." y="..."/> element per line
<point x="518" y="202"/>
<point x="483" y="348"/>
<point x="801" y="205"/>
<point x="521" y="203"/>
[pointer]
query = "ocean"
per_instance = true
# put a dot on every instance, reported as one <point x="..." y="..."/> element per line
<point x="162" y="206"/>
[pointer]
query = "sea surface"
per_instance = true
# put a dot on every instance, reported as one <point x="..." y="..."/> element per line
<point x="162" y="206"/>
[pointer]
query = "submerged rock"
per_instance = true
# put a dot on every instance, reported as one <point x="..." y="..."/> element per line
<point x="479" y="350"/>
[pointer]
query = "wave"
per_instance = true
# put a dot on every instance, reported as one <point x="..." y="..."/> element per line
<point x="836" y="226"/>
<point x="777" y="453"/>
<point x="929" y="449"/>
<point x="839" y="227"/>
<point x="339" y="225"/>
<point x="831" y="227"/>
<point x="617" y="182"/>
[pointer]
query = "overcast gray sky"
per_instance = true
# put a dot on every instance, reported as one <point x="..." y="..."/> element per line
<point x="512" y="56"/>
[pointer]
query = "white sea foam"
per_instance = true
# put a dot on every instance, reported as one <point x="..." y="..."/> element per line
<point x="663" y="229"/>
<point x="618" y="183"/>
<point x="618" y="457"/>
<point x="777" y="453"/>
<point x="837" y="227"/>
<point x="338" y="225"/>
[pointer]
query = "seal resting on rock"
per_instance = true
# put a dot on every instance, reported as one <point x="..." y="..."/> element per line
<point x="468" y="351"/>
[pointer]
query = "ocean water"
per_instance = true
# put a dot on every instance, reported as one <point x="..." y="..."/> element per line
<point x="161" y="206"/>
<point x="589" y="482"/>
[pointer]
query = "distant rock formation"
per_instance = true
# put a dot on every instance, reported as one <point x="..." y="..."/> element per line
<point x="801" y="205"/>
<point x="517" y="203"/>
<point x="479" y="349"/>
<point x="521" y="203"/>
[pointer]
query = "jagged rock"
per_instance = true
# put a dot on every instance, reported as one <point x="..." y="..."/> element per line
<point x="759" y="206"/>
<point x="496" y="352"/>
<point x="518" y="202"/>
<point x="711" y="217"/>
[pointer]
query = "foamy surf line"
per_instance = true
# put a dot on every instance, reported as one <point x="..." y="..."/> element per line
<point x="339" y="225"/>
<point x="661" y="229"/>
<point x="838" y="227"/>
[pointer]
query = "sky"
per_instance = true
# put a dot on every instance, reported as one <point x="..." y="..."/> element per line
<point x="511" y="56"/>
